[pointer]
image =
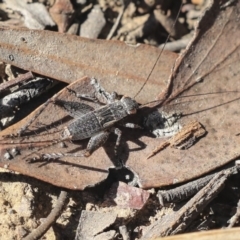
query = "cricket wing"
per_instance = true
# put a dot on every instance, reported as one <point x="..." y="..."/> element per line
<point x="74" y="109"/>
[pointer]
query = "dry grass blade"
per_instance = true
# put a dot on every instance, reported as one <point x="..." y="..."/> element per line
<point x="222" y="234"/>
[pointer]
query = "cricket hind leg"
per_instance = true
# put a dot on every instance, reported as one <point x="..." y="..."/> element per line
<point x="40" y="110"/>
<point x="53" y="155"/>
<point x="96" y="141"/>
<point x="74" y="109"/>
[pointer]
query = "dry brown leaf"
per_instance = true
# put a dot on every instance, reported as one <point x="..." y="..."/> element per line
<point x="213" y="58"/>
<point x="67" y="58"/>
<point x="76" y="173"/>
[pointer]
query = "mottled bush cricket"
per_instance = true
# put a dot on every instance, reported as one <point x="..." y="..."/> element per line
<point x="95" y="124"/>
<point x="88" y="122"/>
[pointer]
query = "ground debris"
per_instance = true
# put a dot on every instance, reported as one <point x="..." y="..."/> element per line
<point x="62" y="13"/>
<point x="129" y="209"/>
<point x="184" y="139"/>
<point x="178" y="221"/>
<point x="92" y="224"/>
<point x="125" y="196"/>
<point x="35" y="14"/>
<point x="94" y="24"/>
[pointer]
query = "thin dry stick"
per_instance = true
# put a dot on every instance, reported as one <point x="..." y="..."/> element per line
<point x="178" y="221"/>
<point x="184" y="191"/>
<point x="22" y="78"/>
<point x="196" y="205"/>
<point x="235" y="219"/>
<point x="50" y="220"/>
<point x="177" y="45"/>
<point x="124" y="232"/>
<point x="118" y="20"/>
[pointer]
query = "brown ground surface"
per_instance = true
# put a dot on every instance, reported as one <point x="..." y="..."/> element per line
<point x="25" y="202"/>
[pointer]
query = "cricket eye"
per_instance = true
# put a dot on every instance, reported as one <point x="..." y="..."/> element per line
<point x="114" y="95"/>
<point x="133" y="111"/>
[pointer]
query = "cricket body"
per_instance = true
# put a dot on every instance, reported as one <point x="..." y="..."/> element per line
<point x="99" y="123"/>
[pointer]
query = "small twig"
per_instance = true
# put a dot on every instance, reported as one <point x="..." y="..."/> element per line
<point x="183" y="192"/>
<point x="124" y="232"/>
<point x="51" y="219"/>
<point x="235" y="219"/>
<point x="22" y="78"/>
<point x="227" y="4"/>
<point x="177" y="45"/>
<point x="118" y="20"/>
<point x="183" y="139"/>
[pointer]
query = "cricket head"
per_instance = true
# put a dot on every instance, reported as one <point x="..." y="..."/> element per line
<point x="130" y="104"/>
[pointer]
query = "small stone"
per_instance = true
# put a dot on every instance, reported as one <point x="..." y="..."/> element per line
<point x="126" y="196"/>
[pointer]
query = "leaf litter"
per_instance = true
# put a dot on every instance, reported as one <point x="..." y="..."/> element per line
<point x="188" y="106"/>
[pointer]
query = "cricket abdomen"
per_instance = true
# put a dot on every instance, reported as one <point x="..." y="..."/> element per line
<point x="84" y="127"/>
<point x="95" y="121"/>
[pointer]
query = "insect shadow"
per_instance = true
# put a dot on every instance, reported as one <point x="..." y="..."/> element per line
<point x="121" y="154"/>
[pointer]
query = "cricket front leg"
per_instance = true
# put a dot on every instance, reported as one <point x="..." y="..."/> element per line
<point x="96" y="142"/>
<point x="132" y="125"/>
<point x="118" y="162"/>
<point x="100" y="94"/>
<point x="118" y="132"/>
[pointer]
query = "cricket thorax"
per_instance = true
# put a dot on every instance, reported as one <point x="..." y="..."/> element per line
<point x="112" y="113"/>
<point x="106" y="114"/>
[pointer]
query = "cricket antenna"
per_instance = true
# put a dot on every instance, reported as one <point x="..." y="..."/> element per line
<point x="145" y="104"/>
<point x="159" y="55"/>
